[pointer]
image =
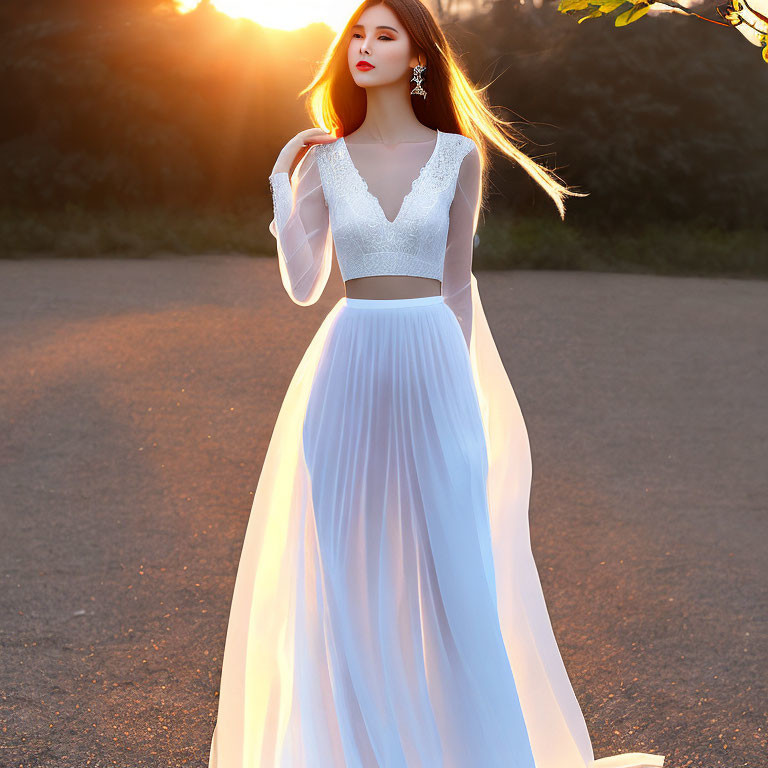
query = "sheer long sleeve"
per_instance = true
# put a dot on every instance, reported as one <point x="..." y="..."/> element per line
<point x="464" y="213"/>
<point x="302" y="230"/>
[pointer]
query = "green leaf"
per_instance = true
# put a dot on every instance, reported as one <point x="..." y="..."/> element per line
<point x="633" y="14"/>
<point x="572" y="5"/>
<point x="593" y="15"/>
<point x="610" y="5"/>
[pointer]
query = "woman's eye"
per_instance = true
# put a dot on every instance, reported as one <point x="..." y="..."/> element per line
<point x="381" y="37"/>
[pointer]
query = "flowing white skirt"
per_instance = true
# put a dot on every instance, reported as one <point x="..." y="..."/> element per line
<point x="387" y="611"/>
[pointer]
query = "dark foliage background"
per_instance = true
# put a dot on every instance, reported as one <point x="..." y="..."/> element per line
<point x="129" y="103"/>
<point x="665" y="119"/>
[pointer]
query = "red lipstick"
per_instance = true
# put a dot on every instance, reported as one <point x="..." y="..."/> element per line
<point x="364" y="66"/>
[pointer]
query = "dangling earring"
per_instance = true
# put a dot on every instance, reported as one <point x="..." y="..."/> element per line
<point x="418" y="90"/>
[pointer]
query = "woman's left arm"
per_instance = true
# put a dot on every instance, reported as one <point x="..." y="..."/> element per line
<point x="464" y="214"/>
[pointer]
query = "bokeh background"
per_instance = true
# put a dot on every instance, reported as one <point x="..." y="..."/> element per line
<point x="137" y="127"/>
<point x="146" y="344"/>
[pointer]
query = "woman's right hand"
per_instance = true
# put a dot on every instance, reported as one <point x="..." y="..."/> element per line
<point x="291" y="154"/>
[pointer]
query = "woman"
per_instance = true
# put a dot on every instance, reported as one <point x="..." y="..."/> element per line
<point x="387" y="611"/>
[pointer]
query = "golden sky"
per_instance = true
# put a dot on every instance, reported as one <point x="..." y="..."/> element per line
<point x="294" y="14"/>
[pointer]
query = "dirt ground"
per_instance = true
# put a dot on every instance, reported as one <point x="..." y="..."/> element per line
<point x="137" y="399"/>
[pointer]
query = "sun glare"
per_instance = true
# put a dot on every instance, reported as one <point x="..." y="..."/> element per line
<point x="293" y="14"/>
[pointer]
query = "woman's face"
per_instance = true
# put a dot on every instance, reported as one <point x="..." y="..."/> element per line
<point x="379" y="39"/>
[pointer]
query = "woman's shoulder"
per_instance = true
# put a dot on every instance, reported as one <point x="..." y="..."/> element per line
<point x="317" y="153"/>
<point x="462" y="144"/>
<point x="460" y="138"/>
<point x="324" y="146"/>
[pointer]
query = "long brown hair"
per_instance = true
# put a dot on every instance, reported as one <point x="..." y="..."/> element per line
<point x="453" y="104"/>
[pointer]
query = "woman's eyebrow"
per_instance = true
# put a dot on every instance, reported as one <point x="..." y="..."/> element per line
<point x="360" y="26"/>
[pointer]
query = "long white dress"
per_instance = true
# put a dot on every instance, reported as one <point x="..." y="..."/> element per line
<point x="387" y="610"/>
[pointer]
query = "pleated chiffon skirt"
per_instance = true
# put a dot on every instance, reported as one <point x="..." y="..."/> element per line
<point x="387" y="610"/>
<point x="395" y="449"/>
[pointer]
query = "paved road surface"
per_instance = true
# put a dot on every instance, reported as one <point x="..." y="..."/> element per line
<point x="137" y="399"/>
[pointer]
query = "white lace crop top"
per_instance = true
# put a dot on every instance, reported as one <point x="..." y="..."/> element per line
<point x="424" y="231"/>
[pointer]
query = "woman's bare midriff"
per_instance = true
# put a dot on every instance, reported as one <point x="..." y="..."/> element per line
<point x="392" y="287"/>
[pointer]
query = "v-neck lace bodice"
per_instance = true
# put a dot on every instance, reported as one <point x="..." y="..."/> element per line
<point x="326" y="207"/>
<point x="383" y="158"/>
<point x="367" y="242"/>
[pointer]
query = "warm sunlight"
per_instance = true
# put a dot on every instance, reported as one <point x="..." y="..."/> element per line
<point x="285" y="15"/>
<point x="295" y="14"/>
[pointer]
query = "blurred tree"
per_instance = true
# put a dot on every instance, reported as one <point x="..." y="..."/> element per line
<point x="122" y="104"/>
<point x="649" y="121"/>
<point x="133" y="104"/>
<point x="750" y="20"/>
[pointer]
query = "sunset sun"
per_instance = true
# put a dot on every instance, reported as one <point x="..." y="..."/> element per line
<point x="285" y="15"/>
